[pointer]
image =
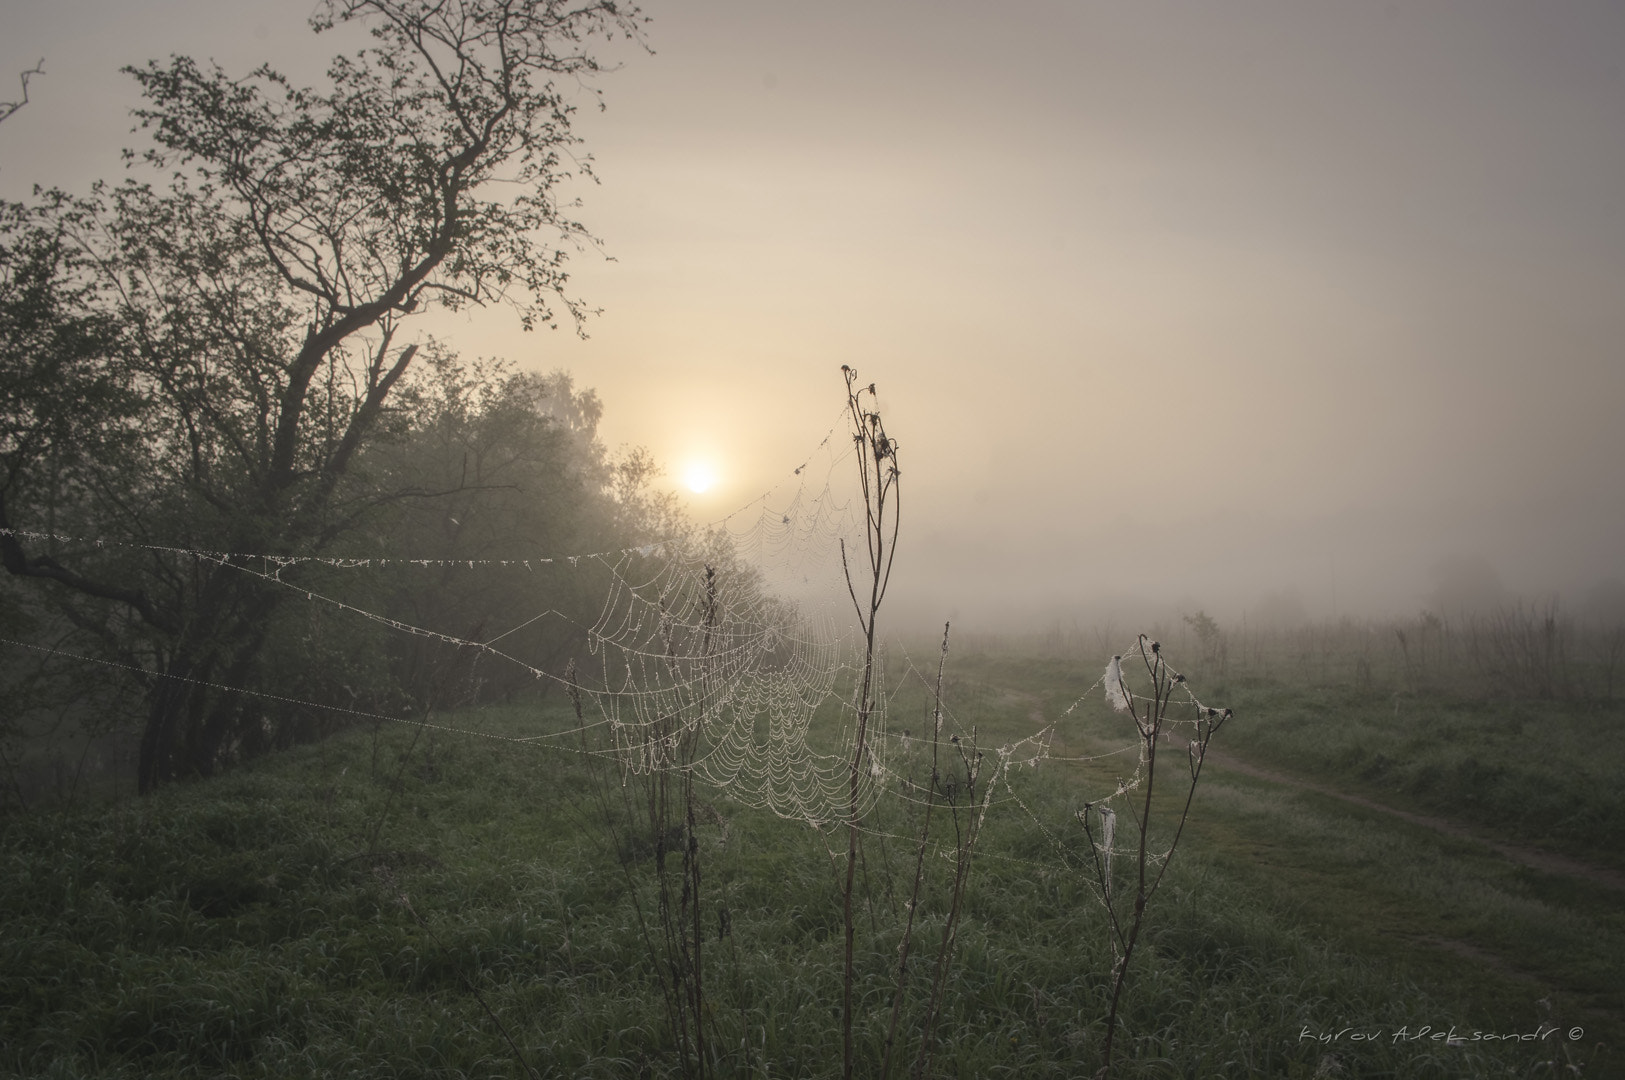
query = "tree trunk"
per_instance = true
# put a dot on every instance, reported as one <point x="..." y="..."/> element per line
<point x="191" y="723"/>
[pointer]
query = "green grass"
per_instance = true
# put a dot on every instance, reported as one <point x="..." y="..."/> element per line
<point x="258" y="924"/>
<point x="1544" y="772"/>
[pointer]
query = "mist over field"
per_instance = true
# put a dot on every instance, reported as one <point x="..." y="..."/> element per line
<point x="544" y="538"/>
<point x="1168" y="307"/>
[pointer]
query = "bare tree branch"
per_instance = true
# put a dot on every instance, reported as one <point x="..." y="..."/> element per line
<point x="9" y="108"/>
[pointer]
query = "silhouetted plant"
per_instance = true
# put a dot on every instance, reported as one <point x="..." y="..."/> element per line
<point x="1151" y="713"/>
<point x="877" y="477"/>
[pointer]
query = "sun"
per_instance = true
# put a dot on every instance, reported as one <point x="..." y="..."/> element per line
<point x="699" y="477"/>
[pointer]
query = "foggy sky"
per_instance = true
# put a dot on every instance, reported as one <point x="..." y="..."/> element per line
<point x="1175" y="302"/>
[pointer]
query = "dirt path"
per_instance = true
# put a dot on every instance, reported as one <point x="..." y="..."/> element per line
<point x="1598" y="1010"/>
<point x="1545" y="861"/>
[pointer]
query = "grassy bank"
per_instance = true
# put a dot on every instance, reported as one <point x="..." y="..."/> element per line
<point x="402" y="903"/>
<point x="1527" y="770"/>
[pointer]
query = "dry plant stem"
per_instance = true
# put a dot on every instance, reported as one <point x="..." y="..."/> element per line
<point x="400" y="770"/>
<point x="919" y="867"/>
<point x="679" y="992"/>
<point x="672" y="1009"/>
<point x="1140" y="898"/>
<point x="691" y="849"/>
<point x="1102" y="877"/>
<point x="868" y="893"/>
<point x="11" y="775"/>
<point x="693" y="964"/>
<point x="674" y="746"/>
<point x="964" y="846"/>
<point x="1150" y="725"/>
<point x="877" y="477"/>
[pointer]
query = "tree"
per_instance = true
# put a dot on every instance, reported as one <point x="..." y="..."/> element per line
<point x="528" y="481"/>
<point x="199" y="365"/>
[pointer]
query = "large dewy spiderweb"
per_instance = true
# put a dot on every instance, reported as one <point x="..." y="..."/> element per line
<point x="740" y="637"/>
<point x="739" y="642"/>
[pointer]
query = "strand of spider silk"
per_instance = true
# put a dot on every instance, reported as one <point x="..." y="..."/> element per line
<point x="340" y="562"/>
<point x="394" y="624"/>
<point x="1098" y="684"/>
<point x="817" y="787"/>
<point x="825" y="798"/>
<point x="899" y="782"/>
<point x="808" y="811"/>
<point x="1060" y="849"/>
<point x="823" y="794"/>
<point x="398" y="625"/>
<point x="1189" y="696"/>
<point x="840" y="422"/>
<point x="1132" y="783"/>
<point x="1041" y="739"/>
<point x="405" y="627"/>
<point x="656" y="547"/>
<point x="286" y="700"/>
<point x="789" y="780"/>
<point x="793" y="781"/>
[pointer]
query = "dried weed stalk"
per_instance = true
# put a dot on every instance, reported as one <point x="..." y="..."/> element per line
<point x="1151" y="713"/>
<point x="877" y="476"/>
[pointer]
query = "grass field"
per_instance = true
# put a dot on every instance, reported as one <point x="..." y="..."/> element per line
<point x="403" y="903"/>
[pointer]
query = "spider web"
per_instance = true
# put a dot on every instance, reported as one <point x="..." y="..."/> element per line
<point x="741" y="642"/>
<point x="744" y="646"/>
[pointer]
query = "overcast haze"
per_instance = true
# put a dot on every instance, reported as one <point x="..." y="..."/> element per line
<point x="1181" y="302"/>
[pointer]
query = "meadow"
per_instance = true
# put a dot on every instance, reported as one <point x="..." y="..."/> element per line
<point x="403" y="901"/>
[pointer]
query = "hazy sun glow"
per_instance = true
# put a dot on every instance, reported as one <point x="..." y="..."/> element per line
<point x="699" y="477"/>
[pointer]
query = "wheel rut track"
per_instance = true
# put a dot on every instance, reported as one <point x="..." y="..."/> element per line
<point x="1545" y="861"/>
<point x="1548" y="862"/>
